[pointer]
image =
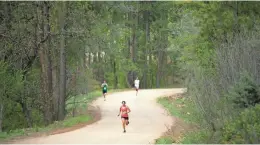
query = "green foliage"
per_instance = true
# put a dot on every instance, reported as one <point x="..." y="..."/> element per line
<point x="82" y="100"/>
<point x="9" y="79"/>
<point x="164" y="140"/>
<point x="182" y="108"/>
<point x="245" y="93"/>
<point x="186" y="110"/>
<point x="188" y="35"/>
<point x="244" y="129"/>
<point x="196" y="137"/>
<point x="70" y="121"/>
<point x="76" y="120"/>
<point x="12" y="120"/>
<point x="213" y="58"/>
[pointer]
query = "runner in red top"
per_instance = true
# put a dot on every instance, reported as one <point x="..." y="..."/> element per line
<point x="124" y="110"/>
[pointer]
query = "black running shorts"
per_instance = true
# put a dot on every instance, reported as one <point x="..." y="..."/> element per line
<point x="126" y="118"/>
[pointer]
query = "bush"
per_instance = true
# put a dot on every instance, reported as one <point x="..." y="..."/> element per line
<point x="245" y="93"/>
<point x="244" y="129"/>
<point x="196" y="137"/>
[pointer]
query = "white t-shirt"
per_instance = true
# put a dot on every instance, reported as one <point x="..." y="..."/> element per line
<point x="137" y="83"/>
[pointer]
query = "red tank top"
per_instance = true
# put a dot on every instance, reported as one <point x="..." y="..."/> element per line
<point x="124" y="110"/>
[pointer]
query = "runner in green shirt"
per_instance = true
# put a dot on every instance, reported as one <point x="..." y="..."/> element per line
<point x="104" y="89"/>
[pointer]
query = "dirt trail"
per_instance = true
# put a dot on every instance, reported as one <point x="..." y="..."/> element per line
<point x="148" y="121"/>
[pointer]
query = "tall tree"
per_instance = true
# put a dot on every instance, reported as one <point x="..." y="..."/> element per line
<point x="62" y="17"/>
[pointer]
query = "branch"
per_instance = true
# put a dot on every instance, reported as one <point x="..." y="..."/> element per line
<point x="5" y="36"/>
<point x="32" y="58"/>
<point x="42" y="41"/>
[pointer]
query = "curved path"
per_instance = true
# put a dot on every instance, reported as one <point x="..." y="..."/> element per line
<point x="148" y="121"/>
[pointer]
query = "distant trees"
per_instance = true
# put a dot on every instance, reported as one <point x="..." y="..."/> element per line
<point x="51" y="51"/>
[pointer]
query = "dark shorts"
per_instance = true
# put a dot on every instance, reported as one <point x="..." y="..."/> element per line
<point x="104" y="91"/>
<point x="126" y="118"/>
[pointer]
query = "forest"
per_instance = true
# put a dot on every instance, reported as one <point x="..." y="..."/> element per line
<point x="53" y="51"/>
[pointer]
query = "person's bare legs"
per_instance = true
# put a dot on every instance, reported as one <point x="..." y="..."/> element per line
<point x="104" y="94"/>
<point x="123" y="124"/>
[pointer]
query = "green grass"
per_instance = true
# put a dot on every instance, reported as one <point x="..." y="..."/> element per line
<point x="164" y="140"/>
<point x="76" y="120"/>
<point x="187" y="113"/>
<point x="69" y="121"/>
<point x="82" y="100"/>
<point x="196" y="137"/>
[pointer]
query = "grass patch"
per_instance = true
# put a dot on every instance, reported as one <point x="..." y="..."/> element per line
<point x="76" y="120"/>
<point x="81" y="116"/>
<point x="68" y="122"/>
<point x="81" y="101"/>
<point x="195" y="137"/>
<point x="184" y="109"/>
<point x="164" y="140"/>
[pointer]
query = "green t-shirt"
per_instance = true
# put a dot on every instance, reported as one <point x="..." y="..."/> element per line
<point x="104" y="86"/>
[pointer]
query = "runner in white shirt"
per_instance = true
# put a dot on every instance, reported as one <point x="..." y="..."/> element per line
<point x="137" y="85"/>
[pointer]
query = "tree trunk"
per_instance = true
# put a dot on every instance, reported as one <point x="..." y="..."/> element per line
<point x="46" y="67"/>
<point x="147" y="41"/>
<point x="115" y="75"/>
<point x="159" y="67"/>
<point x="47" y="52"/>
<point x="1" y="116"/>
<point x="43" y="69"/>
<point x="132" y="47"/>
<point x="56" y="90"/>
<point x="85" y="70"/>
<point x="101" y="69"/>
<point x="150" y="69"/>
<point x="62" y="96"/>
<point x="27" y="114"/>
<point x="133" y="44"/>
<point x="55" y="83"/>
<point x="74" y="87"/>
<point x="84" y="57"/>
<point x="163" y="41"/>
<point x="74" y="107"/>
<point x="7" y="22"/>
<point x="89" y="58"/>
<point x="48" y="59"/>
<point x="161" y="62"/>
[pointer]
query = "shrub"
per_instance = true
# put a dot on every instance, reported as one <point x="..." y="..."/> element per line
<point x="244" y="129"/>
<point x="245" y="93"/>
